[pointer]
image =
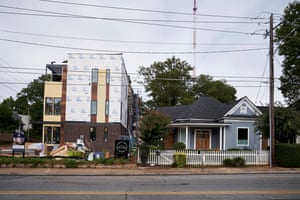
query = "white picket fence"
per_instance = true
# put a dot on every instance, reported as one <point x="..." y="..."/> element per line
<point x="197" y="158"/>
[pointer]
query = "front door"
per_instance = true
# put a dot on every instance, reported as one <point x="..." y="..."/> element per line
<point x="202" y="139"/>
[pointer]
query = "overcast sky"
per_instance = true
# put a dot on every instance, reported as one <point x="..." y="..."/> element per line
<point x="230" y="38"/>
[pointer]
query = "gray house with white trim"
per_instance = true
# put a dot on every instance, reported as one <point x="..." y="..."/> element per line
<point x="209" y="124"/>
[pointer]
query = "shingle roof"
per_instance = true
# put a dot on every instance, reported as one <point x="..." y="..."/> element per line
<point x="204" y="109"/>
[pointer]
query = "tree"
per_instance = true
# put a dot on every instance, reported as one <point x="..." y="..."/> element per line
<point x="287" y="37"/>
<point x="287" y="124"/>
<point x="33" y="97"/>
<point x="30" y="101"/>
<point x="206" y="86"/>
<point x="167" y="82"/>
<point x="7" y="121"/>
<point x="153" y="128"/>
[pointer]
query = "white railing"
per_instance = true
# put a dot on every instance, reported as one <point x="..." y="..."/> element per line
<point x="196" y="158"/>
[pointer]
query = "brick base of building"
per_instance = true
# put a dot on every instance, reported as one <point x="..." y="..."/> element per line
<point x="101" y="142"/>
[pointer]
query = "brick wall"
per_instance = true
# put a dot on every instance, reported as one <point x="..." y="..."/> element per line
<point x="72" y="131"/>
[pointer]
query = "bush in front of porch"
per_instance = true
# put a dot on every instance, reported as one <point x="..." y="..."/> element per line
<point x="179" y="160"/>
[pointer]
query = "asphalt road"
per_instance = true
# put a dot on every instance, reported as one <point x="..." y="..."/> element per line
<point x="238" y="186"/>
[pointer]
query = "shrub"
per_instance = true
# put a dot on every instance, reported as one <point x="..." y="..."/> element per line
<point x="227" y="162"/>
<point x="144" y="153"/>
<point x="287" y="155"/>
<point x="109" y="161"/>
<point x="179" y="160"/>
<point x="234" y="149"/>
<point x="235" y="162"/>
<point x="70" y="163"/>
<point x="239" y="162"/>
<point x="99" y="161"/>
<point x="179" y="146"/>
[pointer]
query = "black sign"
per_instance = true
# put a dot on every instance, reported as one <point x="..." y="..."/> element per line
<point x="121" y="148"/>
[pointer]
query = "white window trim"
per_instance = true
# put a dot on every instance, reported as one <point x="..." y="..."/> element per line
<point x="237" y="137"/>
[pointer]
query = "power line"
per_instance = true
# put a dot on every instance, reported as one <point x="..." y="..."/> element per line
<point x="124" y="41"/>
<point x="132" y="21"/>
<point x="226" y="78"/>
<point x="17" y="77"/>
<point x="132" y="52"/>
<point x="147" y="10"/>
<point x="138" y="20"/>
<point x="82" y="84"/>
<point x="266" y="63"/>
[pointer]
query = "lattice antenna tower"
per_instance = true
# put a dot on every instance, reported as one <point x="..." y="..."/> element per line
<point x="194" y="37"/>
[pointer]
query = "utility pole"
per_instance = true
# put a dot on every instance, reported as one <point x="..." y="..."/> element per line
<point x="271" y="104"/>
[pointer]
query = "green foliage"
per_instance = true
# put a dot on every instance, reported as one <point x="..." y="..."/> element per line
<point x="30" y="100"/>
<point x="287" y="155"/>
<point x="239" y="162"/>
<point x="7" y="121"/>
<point x="235" y="162"/>
<point x="167" y="82"/>
<point x="29" y="162"/>
<point x="220" y="90"/>
<point x="49" y="162"/>
<point x="99" y="161"/>
<point x="179" y="146"/>
<point x="70" y="163"/>
<point x="144" y="150"/>
<point x="227" y="162"/>
<point x="109" y="161"/>
<point x="287" y="36"/>
<point x="233" y="149"/>
<point x="179" y="160"/>
<point x="153" y="128"/>
<point x="287" y="124"/>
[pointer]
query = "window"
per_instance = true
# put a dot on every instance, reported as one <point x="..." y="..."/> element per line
<point x="243" y="137"/>
<point x="243" y="109"/>
<point x="107" y="76"/>
<point x="53" y="106"/>
<point x="94" y="75"/>
<point x="49" y="106"/>
<point x="182" y="136"/>
<point x="57" y="106"/>
<point x="52" y="135"/>
<point x="93" y="133"/>
<point x="93" y="107"/>
<point x="106" y="107"/>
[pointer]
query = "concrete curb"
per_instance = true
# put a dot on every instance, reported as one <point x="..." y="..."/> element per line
<point x="142" y="171"/>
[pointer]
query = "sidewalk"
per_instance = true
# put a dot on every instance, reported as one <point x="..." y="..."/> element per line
<point x="143" y="171"/>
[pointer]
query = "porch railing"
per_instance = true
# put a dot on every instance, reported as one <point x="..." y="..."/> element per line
<point x="197" y="158"/>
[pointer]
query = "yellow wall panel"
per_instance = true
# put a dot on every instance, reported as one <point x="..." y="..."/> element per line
<point x="53" y="89"/>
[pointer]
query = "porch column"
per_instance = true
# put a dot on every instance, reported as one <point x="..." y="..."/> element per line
<point x="187" y="136"/>
<point x="221" y="138"/>
<point x="224" y="138"/>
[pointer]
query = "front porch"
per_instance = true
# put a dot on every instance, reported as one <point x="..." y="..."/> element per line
<point x="198" y="136"/>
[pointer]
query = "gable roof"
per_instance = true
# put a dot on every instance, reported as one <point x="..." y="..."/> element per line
<point x="205" y="109"/>
<point x="245" y="101"/>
